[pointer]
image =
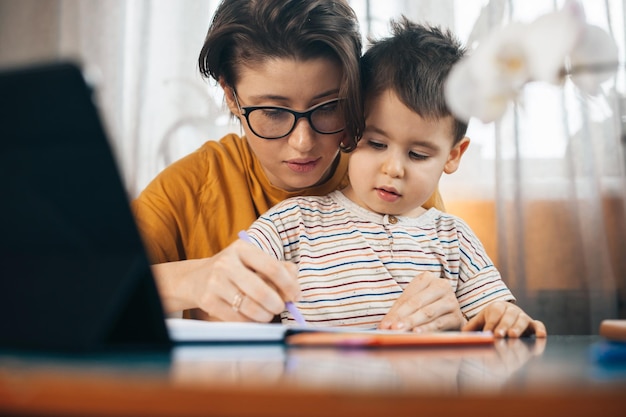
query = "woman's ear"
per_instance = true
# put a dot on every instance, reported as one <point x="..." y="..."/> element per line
<point x="229" y="96"/>
<point x="454" y="158"/>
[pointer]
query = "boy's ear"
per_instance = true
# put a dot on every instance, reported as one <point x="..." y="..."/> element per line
<point x="229" y="95"/>
<point x="454" y="159"/>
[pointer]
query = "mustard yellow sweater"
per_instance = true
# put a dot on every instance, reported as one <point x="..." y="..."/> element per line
<point x="195" y="207"/>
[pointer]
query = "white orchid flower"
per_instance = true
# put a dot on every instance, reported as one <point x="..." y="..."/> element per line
<point x="468" y="94"/>
<point x="482" y="84"/>
<point x="485" y="82"/>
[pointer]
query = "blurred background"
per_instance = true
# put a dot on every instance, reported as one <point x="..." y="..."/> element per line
<point x="544" y="187"/>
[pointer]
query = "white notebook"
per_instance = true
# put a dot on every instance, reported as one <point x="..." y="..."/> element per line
<point x="198" y="331"/>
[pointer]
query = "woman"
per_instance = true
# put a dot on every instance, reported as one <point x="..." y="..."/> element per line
<point x="290" y="73"/>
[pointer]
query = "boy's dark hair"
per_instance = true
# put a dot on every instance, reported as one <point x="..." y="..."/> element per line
<point x="247" y="32"/>
<point x="414" y="62"/>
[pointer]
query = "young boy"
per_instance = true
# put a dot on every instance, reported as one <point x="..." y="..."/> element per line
<point x="362" y="251"/>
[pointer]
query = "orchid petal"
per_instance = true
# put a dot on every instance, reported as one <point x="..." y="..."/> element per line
<point x="502" y="58"/>
<point x="594" y="60"/>
<point x="575" y="9"/>
<point x="468" y="96"/>
<point x="548" y="42"/>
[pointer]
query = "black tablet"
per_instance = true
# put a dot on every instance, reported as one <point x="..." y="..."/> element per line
<point x="73" y="271"/>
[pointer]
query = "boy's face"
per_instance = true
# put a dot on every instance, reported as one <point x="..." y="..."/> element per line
<point x="400" y="158"/>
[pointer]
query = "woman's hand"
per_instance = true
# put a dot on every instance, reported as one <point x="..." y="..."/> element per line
<point x="240" y="283"/>
<point x="427" y="304"/>
<point x="506" y="319"/>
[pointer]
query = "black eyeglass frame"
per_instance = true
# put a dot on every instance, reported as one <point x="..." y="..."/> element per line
<point x="246" y="110"/>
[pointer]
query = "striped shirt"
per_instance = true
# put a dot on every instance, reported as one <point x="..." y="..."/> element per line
<point x="354" y="264"/>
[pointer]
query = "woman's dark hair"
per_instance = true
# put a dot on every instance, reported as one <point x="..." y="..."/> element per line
<point x="414" y="62"/>
<point x="251" y="31"/>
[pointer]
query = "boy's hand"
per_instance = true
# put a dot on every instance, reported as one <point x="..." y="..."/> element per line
<point x="427" y="304"/>
<point x="506" y="319"/>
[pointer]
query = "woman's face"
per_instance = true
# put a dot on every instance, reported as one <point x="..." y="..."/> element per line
<point x="304" y="157"/>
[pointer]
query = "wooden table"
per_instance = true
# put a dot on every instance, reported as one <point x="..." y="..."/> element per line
<point x="552" y="377"/>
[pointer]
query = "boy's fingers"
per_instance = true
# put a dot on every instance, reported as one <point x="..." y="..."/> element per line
<point x="511" y="321"/>
<point x="506" y="320"/>
<point x="425" y="300"/>
<point x="475" y="323"/>
<point x="445" y="322"/>
<point x="540" y="329"/>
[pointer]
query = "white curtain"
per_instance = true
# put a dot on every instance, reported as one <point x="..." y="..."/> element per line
<point x="142" y="57"/>
<point x="544" y="187"/>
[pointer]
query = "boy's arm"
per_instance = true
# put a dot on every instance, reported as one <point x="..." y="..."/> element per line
<point x="498" y="313"/>
<point x="265" y="234"/>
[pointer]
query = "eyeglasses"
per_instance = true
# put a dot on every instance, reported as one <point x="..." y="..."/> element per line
<point x="272" y="122"/>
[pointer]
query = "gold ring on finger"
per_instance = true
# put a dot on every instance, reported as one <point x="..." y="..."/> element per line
<point x="237" y="300"/>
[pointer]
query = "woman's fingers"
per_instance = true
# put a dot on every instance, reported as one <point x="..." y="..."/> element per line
<point x="283" y="276"/>
<point x="232" y="301"/>
<point x="242" y="283"/>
